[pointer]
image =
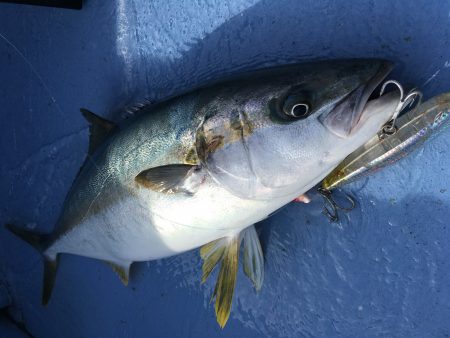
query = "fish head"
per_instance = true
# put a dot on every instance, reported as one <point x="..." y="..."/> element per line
<point x="280" y="132"/>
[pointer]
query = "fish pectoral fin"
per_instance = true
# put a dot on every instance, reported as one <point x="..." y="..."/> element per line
<point x="122" y="270"/>
<point x="225" y="250"/>
<point x="99" y="129"/>
<point x="172" y="178"/>
<point x="253" y="257"/>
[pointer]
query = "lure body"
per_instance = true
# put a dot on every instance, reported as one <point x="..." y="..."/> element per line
<point x="413" y="129"/>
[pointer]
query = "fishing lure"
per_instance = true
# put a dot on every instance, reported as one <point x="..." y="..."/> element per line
<point x="395" y="141"/>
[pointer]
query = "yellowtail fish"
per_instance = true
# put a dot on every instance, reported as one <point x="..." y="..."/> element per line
<point x="200" y="169"/>
<point x="413" y="129"/>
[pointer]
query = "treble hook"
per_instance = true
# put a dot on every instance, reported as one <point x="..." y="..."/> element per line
<point x="331" y="211"/>
<point x="390" y="128"/>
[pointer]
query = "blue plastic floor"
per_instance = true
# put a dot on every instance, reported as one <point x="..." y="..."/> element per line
<point x="384" y="270"/>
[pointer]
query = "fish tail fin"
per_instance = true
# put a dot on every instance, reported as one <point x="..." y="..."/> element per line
<point x="39" y="242"/>
<point x="50" y="268"/>
<point x="226" y="251"/>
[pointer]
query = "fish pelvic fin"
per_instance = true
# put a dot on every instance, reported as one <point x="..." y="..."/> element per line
<point x="226" y="252"/>
<point x="39" y="242"/>
<point x="226" y="281"/>
<point x="122" y="270"/>
<point x="212" y="254"/>
<point x="253" y="257"/>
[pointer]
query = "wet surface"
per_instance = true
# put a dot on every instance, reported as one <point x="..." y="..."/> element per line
<point x="382" y="271"/>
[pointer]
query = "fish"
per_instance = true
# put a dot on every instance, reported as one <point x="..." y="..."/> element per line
<point x="200" y="169"/>
<point x="414" y="128"/>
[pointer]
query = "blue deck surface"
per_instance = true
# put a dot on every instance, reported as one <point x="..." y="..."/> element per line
<point x="384" y="270"/>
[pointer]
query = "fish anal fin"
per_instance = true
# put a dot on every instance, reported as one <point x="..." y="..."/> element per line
<point x="253" y="257"/>
<point x="172" y="178"/>
<point x="225" y="251"/>
<point x="99" y="129"/>
<point x="122" y="270"/>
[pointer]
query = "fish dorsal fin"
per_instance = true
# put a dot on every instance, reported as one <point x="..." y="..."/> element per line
<point x="139" y="107"/>
<point x="122" y="270"/>
<point x="253" y="257"/>
<point x="172" y="178"/>
<point x="99" y="129"/>
<point x="225" y="250"/>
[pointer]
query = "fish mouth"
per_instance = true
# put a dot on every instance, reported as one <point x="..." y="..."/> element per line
<point x="345" y="118"/>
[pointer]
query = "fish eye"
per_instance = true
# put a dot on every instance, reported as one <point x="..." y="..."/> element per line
<point x="297" y="106"/>
<point x="298" y="110"/>
<point x="293" y="106"/>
